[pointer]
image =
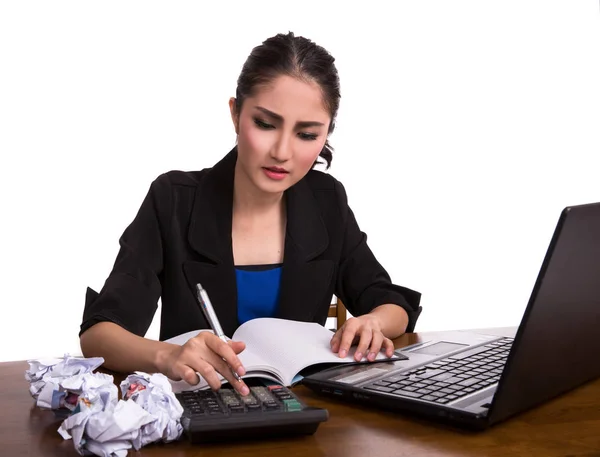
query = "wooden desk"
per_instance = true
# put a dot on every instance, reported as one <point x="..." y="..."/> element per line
<point x="567" y="426"/>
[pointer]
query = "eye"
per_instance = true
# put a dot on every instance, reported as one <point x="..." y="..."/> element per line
<point x="262" y="124"/>
<point x="307" y="136"/>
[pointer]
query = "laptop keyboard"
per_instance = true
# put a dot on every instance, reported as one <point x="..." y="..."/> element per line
<point x="450" y="378"/>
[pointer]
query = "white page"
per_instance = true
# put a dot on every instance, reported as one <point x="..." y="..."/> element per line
<point x="291" y="345"/>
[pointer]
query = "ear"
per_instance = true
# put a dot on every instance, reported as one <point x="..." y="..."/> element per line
<point x="235" y="118"/>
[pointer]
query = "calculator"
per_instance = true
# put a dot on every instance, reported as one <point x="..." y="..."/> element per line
<point x="270" y="410"/>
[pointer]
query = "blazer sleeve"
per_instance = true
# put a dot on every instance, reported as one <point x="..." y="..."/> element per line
<point x="362" y="283"/>
<point x="130" y="294"/>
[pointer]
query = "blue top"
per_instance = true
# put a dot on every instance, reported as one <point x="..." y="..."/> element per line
<point x="257" y="291"/>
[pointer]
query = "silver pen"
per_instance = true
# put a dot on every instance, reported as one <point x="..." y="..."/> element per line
<point x="212" y="319"/>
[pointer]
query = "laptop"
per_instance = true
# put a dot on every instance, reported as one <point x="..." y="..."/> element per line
<point x="474" y="380"/>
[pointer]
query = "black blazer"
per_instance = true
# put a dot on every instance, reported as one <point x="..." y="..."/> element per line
<point x="181" y="235"/>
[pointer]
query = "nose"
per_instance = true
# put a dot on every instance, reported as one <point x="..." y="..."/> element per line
<point x="282" y="149"/>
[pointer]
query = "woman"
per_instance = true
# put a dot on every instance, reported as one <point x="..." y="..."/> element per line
<point x="264" y="233"/>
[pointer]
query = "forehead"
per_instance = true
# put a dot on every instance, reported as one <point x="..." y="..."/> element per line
<point x="293" y="99"/>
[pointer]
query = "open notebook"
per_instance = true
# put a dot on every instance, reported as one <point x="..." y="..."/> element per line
<point x="278" y="350"/>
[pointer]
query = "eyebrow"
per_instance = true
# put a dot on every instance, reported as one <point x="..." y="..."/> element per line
<point x="280" y="118"/>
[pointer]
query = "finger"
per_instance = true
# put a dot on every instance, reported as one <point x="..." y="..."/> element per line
<point x="335" y="340"/>
<point x="376" y="342"/>
<point x="208" y="372"/>
<point x="366" y="335"/>
<point x="225" y="351"/>
<point x="188" y="375"/>
<point x="237" y="346"/>
<point x="388" y="345"/>
<point x="347" y="338"/>
<point x="226" y="372"/>
<point x="224" y="368"/>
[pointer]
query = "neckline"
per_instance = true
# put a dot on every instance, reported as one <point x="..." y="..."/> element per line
<point x="261" y="267"/>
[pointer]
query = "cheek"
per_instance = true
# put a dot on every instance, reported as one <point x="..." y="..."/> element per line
<point x="251" y="139"/>
<point x="307" y="153"/>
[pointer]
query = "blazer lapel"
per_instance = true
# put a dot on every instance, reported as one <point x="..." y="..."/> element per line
<point x="210" y="236"/>
<point x="304" y="281"/>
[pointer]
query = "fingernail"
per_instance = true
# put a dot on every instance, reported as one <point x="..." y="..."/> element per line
<point x="371" y="356"/>
<point x="343" y="353"/>
<point x="358" y="356"/>
<point x="241" y="370"/>
<point x="245" y="390"/>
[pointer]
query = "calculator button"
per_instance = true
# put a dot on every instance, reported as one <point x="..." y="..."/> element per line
<point x="249" y="400"/>
<point x="284" y="396"/>
<point x="292" y="405"/>
<point x="271" y="405"/>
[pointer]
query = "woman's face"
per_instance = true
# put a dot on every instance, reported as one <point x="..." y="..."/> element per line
<point x="281" y="130"/>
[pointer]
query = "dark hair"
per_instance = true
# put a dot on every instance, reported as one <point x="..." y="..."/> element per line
<point x="300" y="58"/>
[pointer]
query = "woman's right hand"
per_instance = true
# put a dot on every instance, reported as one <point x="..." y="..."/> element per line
<point x="204" y="354"/>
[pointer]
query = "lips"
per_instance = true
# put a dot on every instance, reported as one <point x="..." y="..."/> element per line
<point x="276" y="169"/>
<point x="275" y="173"/>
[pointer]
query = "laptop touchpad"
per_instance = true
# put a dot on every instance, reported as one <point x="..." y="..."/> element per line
<point x="441" y="348"/>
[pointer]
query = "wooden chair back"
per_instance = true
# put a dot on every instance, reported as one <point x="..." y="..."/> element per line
<point x="338" y="310"/>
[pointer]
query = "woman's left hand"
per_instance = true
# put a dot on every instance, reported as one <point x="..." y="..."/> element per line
<point x="366" y="330"/>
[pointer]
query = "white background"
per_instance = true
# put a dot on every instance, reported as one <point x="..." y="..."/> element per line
<point x="464" y="129"/>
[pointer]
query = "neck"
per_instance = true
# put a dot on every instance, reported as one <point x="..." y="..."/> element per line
<point x="247" y="199"/>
